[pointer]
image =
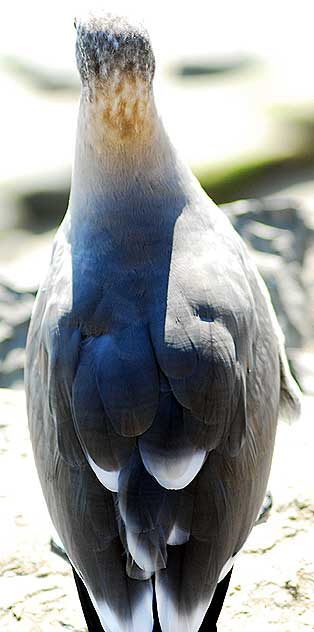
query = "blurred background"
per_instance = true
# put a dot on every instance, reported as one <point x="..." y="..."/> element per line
<point x="235" y="88"/>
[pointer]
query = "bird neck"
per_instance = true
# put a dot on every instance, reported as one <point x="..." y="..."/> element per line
<point x="121" y="146"/>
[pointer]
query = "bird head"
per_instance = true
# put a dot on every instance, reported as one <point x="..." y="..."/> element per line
<point x="116" y="64"/>
<point x="110" y="48"/>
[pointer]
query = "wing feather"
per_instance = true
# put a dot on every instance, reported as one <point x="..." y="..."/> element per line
<point x="107" y="452"/>
<point x="167" y="453"/>
<point x="127" y="379"/>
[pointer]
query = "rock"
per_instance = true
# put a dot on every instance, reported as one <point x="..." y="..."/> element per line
<point x="273" y="225"/>
<point x="15" y="313"/>
<point x="280" y="235"/>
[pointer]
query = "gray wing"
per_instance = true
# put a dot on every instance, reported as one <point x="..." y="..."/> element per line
<point x="228" y="491"/>
<point x="83" y="510"/>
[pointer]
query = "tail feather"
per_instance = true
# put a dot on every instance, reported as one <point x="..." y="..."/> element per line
<point x="151" y="517"/>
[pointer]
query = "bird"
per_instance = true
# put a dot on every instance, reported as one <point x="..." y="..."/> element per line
<point x="155" y="365"/>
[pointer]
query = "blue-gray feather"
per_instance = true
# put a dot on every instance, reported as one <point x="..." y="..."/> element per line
<point x="155" y="367"/>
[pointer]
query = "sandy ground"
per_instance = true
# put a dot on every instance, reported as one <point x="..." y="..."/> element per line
<point x="272" y="587"/>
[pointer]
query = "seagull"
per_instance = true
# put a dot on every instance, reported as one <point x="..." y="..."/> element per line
<point x="156" y="369"/>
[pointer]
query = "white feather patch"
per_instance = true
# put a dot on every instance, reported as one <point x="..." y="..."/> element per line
<point x="107" y="479"/>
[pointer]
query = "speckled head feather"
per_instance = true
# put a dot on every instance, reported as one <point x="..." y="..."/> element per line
<point x="109" y="44"/>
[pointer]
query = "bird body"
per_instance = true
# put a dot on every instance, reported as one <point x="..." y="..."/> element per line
<point x="155" y="366"/>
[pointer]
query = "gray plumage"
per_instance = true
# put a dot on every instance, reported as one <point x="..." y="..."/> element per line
<point x="155" y="365"/>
